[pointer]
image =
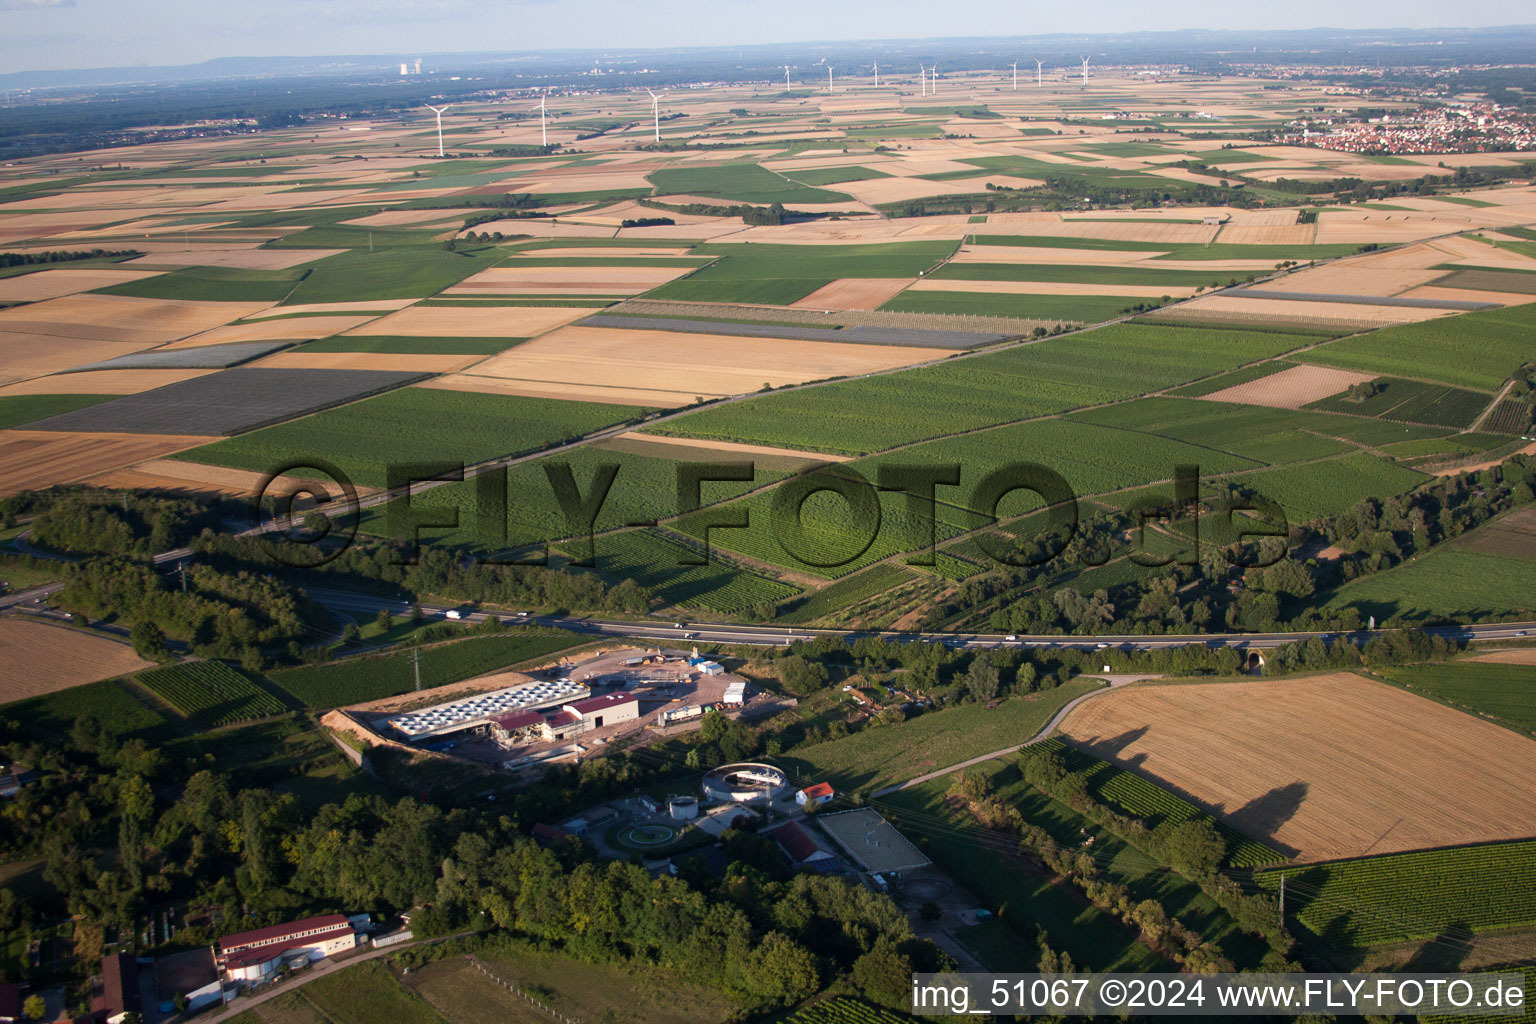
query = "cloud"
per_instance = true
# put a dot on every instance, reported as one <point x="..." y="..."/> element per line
<point x="33" y="5"/>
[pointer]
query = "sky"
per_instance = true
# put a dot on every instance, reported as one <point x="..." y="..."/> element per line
<point x="64" y="34"/>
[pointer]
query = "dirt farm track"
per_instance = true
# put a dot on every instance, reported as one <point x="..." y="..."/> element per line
<point x="1323" y="766"/>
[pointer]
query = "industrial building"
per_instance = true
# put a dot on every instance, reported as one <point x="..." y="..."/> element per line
<point x="475" y="713"/>
<point x="569" y="720"/>
<point x="254" y="955"/>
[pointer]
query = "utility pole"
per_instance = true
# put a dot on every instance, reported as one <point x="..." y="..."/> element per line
<point x="416" y="663"/>
<point x="1282" y="900"/>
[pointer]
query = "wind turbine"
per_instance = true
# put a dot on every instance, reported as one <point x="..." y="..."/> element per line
<point x="786" y="78"/>
<point x="1085" y="72"/>
<point x="543" y="129"/>
<point x="656" y="112"/>
<point x="877" y="74"/>
<point x="1015" y="66"/>
<point x="935" y="72"/>
<point x="1039" y="73"/>
<point x="439" y="112"/>
<point x="829" y="78"/>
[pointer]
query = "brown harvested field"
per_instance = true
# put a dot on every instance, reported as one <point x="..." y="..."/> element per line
<point x="729" y="446"/>
<point x="101" y="382"/>
<point x="275" y="329"/>
<point x="700" y="364"/>
<point x="1267" y="234"/>
<point x="1328" y="766"/>
<point x="854" y="293"/>
<point x="952" y="284"/>
<point x="1358" y="227"/>
<point x="38" y="658"/>
<point x="899" y="190"/>
<point x="409" y="362"/>
<point x="32" y="459"/>
<point x="194" y="477"/>
<point x="1291" y="389"/>
<point x="51" y="284"/>
<point x="602" y="252"/>
<point x="1359" y="277"/>
<point x="122" y="318"/>
<point x="1031" y="254"/>
<point x="35" y="355"/>
<point x="373" y="306"/>
<point x="661" y="398"/>
<point x="1517" y="656"/>
<point x="581" y="280"/>
<point x="1468" y="295"/>
<point x="1361" y="314"/>
<point x="240" y="259"/>
<point x="474" y="321"/>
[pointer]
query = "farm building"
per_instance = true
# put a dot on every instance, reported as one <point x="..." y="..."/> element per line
<point x="115" y="993"/>
<point x="475" y="713"/>
<point x="815" y="796"/>
<point x="871" y="841"/>
<point x="801" y="847"/>
<point x="253" y="955"/>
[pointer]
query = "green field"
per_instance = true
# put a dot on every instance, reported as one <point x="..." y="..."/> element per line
<point x="846" y="1010"/>
<point x="16" y="410"/>
<point x="781" y="274"/>
<point x="374" y="677"/>
<point x="1373" y="900"/>
<point x="1174" y="250"/>
<point x="834" y="175"/>
<point x="744" y="182"/>
<point x="413" y="425"/>
<point x="1328" y="488"/>
<point x="224" y="284"/>
<point x="1499" y="692"/>
<point x="362" y="994"/>
<point x="654" y="562"/>
<point x="1050" y="376"/>
<point x="1413" y="401"/>
<point x="877" y="579"/>
<point x="115" y="706"/>
<point x="210" y="693"/>
<point x="410" y="272"/>
<point x="1067" y="273"/>
<point x="1473" y="350"/>
<point x="1460" y="584"/>
<point x="881" y="755"/>
<point x="1088" y="309"/>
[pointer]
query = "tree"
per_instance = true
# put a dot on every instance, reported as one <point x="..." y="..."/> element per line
<point x="800" y="676"/>
<point x="34" y="1008"/>
<point x="148" y="639"/>
<point x="350" y="634"/>
<point x="385" y="620"/>
<point x="981" y="680"/>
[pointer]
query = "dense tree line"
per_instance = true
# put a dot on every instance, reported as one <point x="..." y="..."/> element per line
<point x="123" y="829"/>
<point x="117" y="522"/>
<point x="27" y="259"/>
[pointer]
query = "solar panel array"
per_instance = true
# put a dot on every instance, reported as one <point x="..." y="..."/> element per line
<point x="460" y="714"/>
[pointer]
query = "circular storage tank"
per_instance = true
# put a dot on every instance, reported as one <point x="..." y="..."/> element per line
<point x="742" y="783"/>
<point x="683" y="808"/>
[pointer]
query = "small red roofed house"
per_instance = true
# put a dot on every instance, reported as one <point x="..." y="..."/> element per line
<point x="815" y="796"/>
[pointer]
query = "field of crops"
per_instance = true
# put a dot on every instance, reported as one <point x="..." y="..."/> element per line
<point x="354" y="680"/>
<point x="1475" y="350"/>
<point x="1031" y="380"/>
<point x="834" y="175"/>
<point x="214" y="284"/>
<point x="111" y="702"/>
<point x="1142" y="798"/>
<point x="654" y="563"/>
<point x="1084" y="309"/>
<point x="1374" y="900"/>
<point x="1326" y="488"/>
<point x="408" y="272"/>
<point x="745" y="182"/>
<point x="412" y="425"/>
<point x="210" y="693"/>
<point x="1495" y="691"/>
<point x="1464" y="585"/>
<point x="850" y="590"/>
<point x="1173" y="250"/>
<point x="846" y="1010"/>
<point x="18" y="409"/>
<point x="1413" y="401"/>
<point x="1067" y="273"/>
<point x="394" y="345"/>
<point x="781" y="274"/>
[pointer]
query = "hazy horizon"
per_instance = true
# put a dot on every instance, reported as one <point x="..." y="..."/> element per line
<point x="49" y="35"/>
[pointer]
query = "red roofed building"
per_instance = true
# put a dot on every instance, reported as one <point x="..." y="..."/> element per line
<point x="609" y="709"/>
<point x="507" y="729"/>
<point x="815" y="796"/>
<point x="116" y="993"/>
<point x="253" y="955"/>
<point x="798" y="846"/>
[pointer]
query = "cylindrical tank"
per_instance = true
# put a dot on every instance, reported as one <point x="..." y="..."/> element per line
<point x="683" y="808"/>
